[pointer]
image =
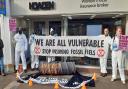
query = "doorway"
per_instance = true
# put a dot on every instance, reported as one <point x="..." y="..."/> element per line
<point x="39" y="27"/>
<point x="56" y="26"/>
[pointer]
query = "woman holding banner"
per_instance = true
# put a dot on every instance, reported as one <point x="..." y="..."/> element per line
<point x="117" y="56"/>
<point x="103" y="61"/>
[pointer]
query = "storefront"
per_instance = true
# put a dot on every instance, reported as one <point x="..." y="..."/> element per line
<point x="71" y="18"/>
<point x="6" y="35"/>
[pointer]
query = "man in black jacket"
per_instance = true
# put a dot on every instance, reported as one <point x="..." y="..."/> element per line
<point x="1" y="57"/>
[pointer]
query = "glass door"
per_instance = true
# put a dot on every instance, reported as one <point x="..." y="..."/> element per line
<point x="56" y="26"/>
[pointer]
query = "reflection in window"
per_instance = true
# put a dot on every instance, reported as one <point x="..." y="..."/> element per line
<point x="79" y="28"/>
<point x="56" y="26"/>
<point x="76" y="29"/>
<point x="39" y="27"/>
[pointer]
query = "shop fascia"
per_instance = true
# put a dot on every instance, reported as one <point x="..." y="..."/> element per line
<point x="47" y="5"/>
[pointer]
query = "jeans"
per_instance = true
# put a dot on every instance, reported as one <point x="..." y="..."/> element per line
<point x="1" y="65"/>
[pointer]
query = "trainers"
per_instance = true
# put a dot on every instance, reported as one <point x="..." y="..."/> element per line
<point x="25" y="71"/>
<point x="101" y="74"/>
<point x="123" y="82"/>
<point x="3" y="74"/>
<point x="32" y="69"/>
<point x="112" y="80"/>
<point x="104" y="75"/>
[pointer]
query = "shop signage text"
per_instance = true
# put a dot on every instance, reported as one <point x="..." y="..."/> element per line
<point x="47" y="5"/>
<point x="94" y="3"/>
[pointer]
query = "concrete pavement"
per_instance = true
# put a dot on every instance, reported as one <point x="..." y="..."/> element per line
<point x="9" y="82"/>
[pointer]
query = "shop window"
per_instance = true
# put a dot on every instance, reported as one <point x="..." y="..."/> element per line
<point x="56" y="26"/>
<point x="39" y="27"/>
<point x="87" y="28"/>
<point x="76" y="29"/>
<point x="94" y="30"/>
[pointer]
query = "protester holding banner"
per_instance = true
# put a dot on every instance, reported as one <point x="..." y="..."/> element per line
<point x="34" y="58"/>
<point x="103" y="61"/>
<point x="51" y="58"/>
<point x="117" y="56"/>
<point x="1" y="58"/>
<point x="20" y="48"/>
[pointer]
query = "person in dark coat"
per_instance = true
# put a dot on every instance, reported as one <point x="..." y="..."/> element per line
<point x="1" y="57"/>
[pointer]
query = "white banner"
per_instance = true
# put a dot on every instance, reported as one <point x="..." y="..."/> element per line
<point x="75" y="46"/>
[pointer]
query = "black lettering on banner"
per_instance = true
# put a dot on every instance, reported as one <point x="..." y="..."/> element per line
<point x="60" y="51"/>
<point x="69" y="42"/>
<point x="81" y="42"/>
<point x="61" y="43"/>
<point x="86" y="42"/>
<point x="46" y="51"/>
<point x="102" y="43"/>
<point x="95" y="43"/>
<point x="39" y="42"/>
<point x="89" y="52"/>
<point x="76" y="51"/>
<point x="90" y="43"/>
<point x="75" y="42"/>
<point x="50" y="42"/>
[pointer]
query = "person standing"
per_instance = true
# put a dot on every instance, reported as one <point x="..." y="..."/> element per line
<point x="51" y="58"/>
<point x="117" y="56"/>
<point x="20" y="48"/>
<point x="103" y="61"/>
<point x="34" y="58"/>
<point x="1" y="57"/>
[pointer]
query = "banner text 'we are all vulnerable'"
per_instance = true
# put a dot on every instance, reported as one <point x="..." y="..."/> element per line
<point x="75" y="46"/>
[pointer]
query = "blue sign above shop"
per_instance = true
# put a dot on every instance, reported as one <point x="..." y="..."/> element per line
<point x="3" y="7"/>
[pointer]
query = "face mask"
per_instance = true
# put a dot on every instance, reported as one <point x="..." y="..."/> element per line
<point x="20" y="32"/>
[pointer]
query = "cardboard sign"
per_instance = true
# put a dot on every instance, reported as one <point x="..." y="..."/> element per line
<point x="123" y="43"/>
<point x="12" y="24"/>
